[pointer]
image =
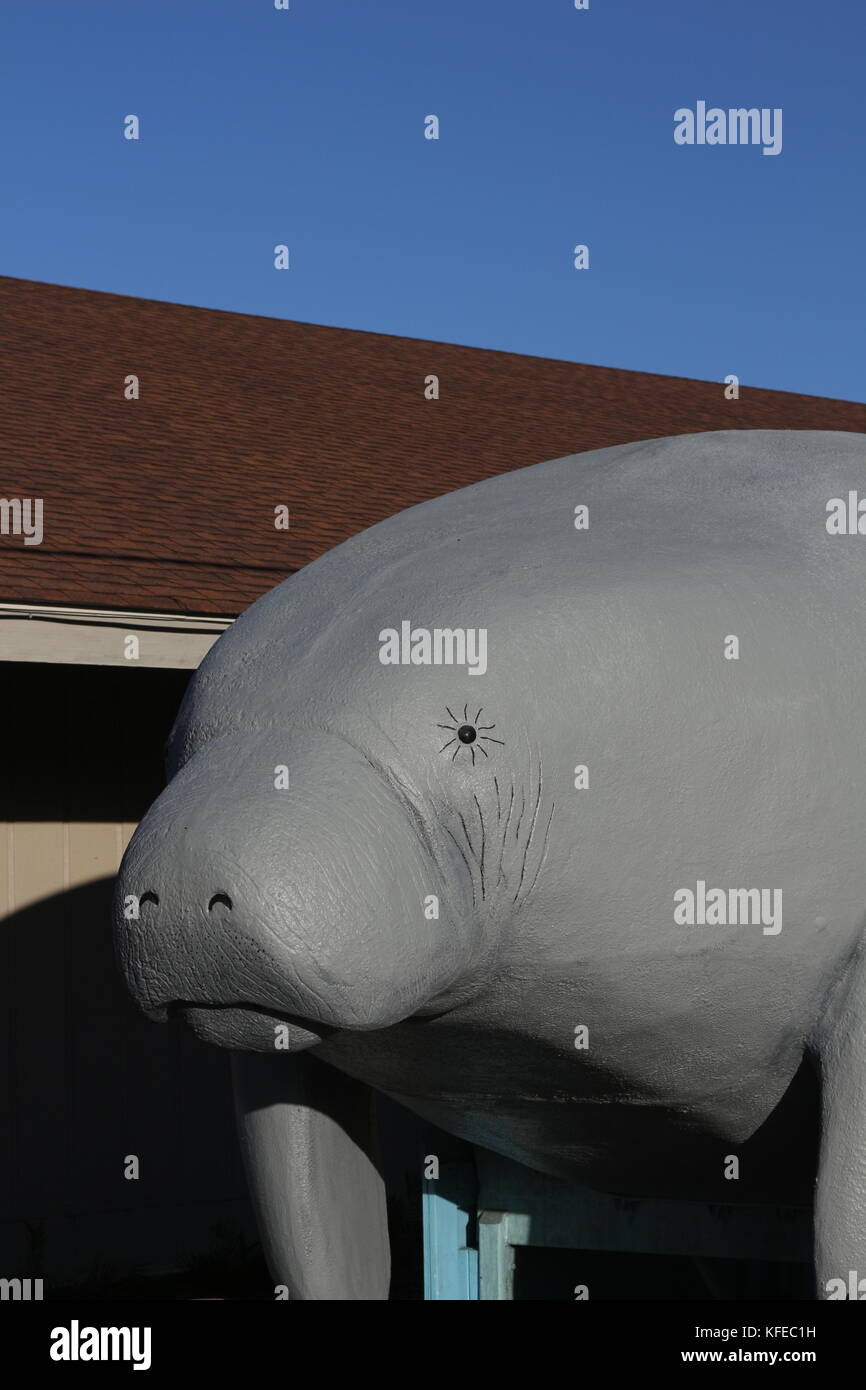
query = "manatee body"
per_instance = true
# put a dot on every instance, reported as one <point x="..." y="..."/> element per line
<point x="592" y="897"/>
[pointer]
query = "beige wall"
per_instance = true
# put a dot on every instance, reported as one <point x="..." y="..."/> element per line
<point x="41" y="858"/>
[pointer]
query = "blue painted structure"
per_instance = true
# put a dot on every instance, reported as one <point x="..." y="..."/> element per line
<point x="448" y="1205"/>
<point x="465" y="1258"/>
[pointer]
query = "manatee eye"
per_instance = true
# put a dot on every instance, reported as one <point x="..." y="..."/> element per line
<point x="464" y="734"/>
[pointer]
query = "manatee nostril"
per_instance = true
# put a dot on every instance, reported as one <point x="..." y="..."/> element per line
<point x="149" y="897"/>
<point x="220" y="898"/>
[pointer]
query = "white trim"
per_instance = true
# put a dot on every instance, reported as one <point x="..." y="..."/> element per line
<point x="96" y="636"/>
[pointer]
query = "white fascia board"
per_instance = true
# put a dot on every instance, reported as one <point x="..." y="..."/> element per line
<point x="101" y="636"/>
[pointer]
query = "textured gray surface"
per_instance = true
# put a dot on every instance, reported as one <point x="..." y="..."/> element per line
<point x="605" y="647"/>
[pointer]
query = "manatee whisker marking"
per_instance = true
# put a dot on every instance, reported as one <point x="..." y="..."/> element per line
<point x="510" y="808"/>
<point x="468" y="836"/>
<point x="530" y="833"/>
<point x="505" y="833"/>
<point x="498" y="806"/>
<point x="462" y="853"/>
<point x="522" y="871"/>
<point x="545" y="845"/>
<point x="520" y="817"/>
<point x="537" y="804"/>
<point x="483" y="840"/>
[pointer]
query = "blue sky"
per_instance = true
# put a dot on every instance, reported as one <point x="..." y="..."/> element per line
<point x="305" y="127"/>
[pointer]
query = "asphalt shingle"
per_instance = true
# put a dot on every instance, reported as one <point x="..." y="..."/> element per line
<point x="167" y="502"/>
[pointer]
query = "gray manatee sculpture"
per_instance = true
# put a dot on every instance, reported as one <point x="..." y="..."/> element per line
<point x="553" y="831"/>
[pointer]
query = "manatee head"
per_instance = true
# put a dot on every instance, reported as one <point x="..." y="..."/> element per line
<point x="343" y="843"/>
<point x="317" y="860"/>
<point x="281" y="886"/>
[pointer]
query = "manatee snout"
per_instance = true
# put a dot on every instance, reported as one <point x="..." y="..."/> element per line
<point x="275" y="892"/>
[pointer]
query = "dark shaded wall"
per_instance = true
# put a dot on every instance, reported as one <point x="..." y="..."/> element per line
<point x="84" y="1079"/>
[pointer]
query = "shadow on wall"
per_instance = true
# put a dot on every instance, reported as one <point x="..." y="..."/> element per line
<point x="86" y="1084"/>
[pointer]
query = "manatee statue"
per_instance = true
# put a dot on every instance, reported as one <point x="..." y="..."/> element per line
<point x="541" y="808"/>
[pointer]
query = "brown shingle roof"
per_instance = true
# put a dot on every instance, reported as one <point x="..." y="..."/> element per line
<point x="167" y="502"/>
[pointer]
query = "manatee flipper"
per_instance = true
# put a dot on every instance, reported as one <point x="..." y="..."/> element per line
<point x="840" y="1206"/>
<point x="307" y="1136"/>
